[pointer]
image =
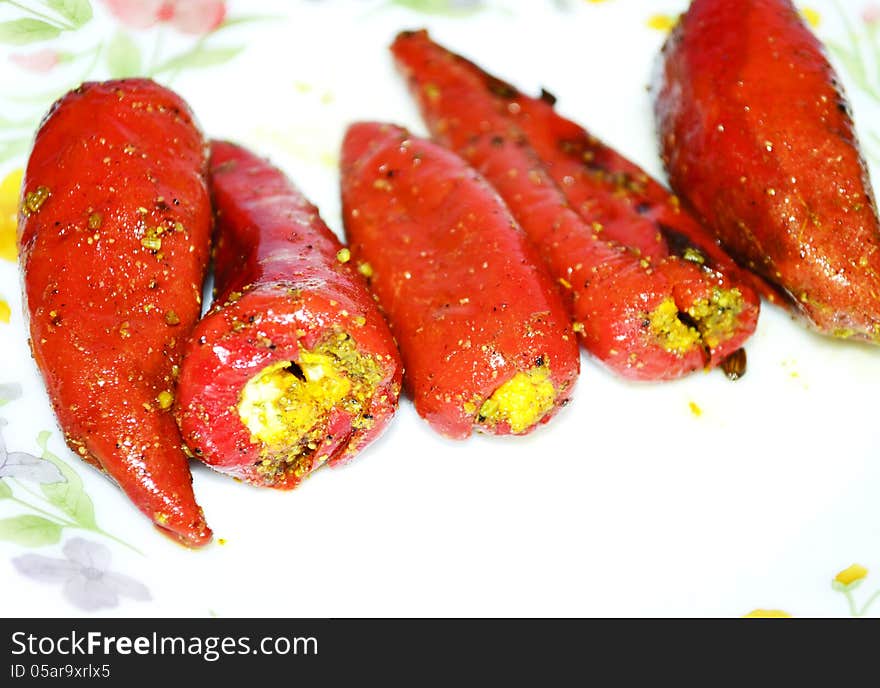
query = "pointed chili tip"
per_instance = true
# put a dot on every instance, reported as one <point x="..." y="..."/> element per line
<point x="361" y="137"/>
<point x="411" y="33"/>
<point x="193" y="534"/>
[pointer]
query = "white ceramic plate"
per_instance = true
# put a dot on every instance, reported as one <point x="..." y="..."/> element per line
<point x="695" y="498"/>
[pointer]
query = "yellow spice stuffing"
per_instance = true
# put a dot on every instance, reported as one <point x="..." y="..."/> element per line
<point x="521" y="402"/>
<point x="284" y="406"/>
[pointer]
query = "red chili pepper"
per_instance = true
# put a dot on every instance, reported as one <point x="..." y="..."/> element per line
<point x="115" y="231"/>
<point x="645" y="320"/>
<point x="758" y="139"/>
<point x="612" y="194"/>
<point x="616" y="196"/>
<point x="482" y="330"/>
<point x="294" y="366"/>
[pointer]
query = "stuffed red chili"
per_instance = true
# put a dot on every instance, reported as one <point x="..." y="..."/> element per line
<point x="644" y="320"/>
<point x="757" y="137"/>
<point x="617" y="197"/>
<point x="294" y="366"/>
<point x="115" y="231"/>
<point x="483" y="333"/>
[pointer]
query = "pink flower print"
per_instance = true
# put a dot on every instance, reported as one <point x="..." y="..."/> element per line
<point x="188" y="16"/>
<point x="197" y="16"/>
<point x="40" y="61"/>
<point x="871" y="14"/>
<point x="136" y="14"/>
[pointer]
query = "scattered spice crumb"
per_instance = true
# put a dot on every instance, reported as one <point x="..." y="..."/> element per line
<point x="33" y="200"/>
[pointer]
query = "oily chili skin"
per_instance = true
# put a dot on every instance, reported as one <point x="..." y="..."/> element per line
<point x="611" y="290"/>
<point x="609" y="192"/>
<point x="109" y="314"/>
<point x="279" y="286"/>
<point x="620" y="198"/>
<point x="757" y="137"/>
<point x="461" y="286"/>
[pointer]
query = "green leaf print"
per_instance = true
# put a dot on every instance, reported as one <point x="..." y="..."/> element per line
<point x="27" y="30"/>
<point x="123" y="57"/>
<point x="77" y="12"/>
<point x="30" y="530"/>
<point x="69" y="496"/>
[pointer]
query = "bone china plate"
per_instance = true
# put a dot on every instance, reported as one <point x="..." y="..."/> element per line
<point x="702" y="497"/>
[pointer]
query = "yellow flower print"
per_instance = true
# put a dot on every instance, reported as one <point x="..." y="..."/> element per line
<point x="662" y="22"/>
<point x="811" y="16"/>
<point x="846" y="581"/>
<point x="767" y="614"/>
<point x="5" y="311"/>
<point x="10" y="188"/>
<point x="851" y="576"/>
